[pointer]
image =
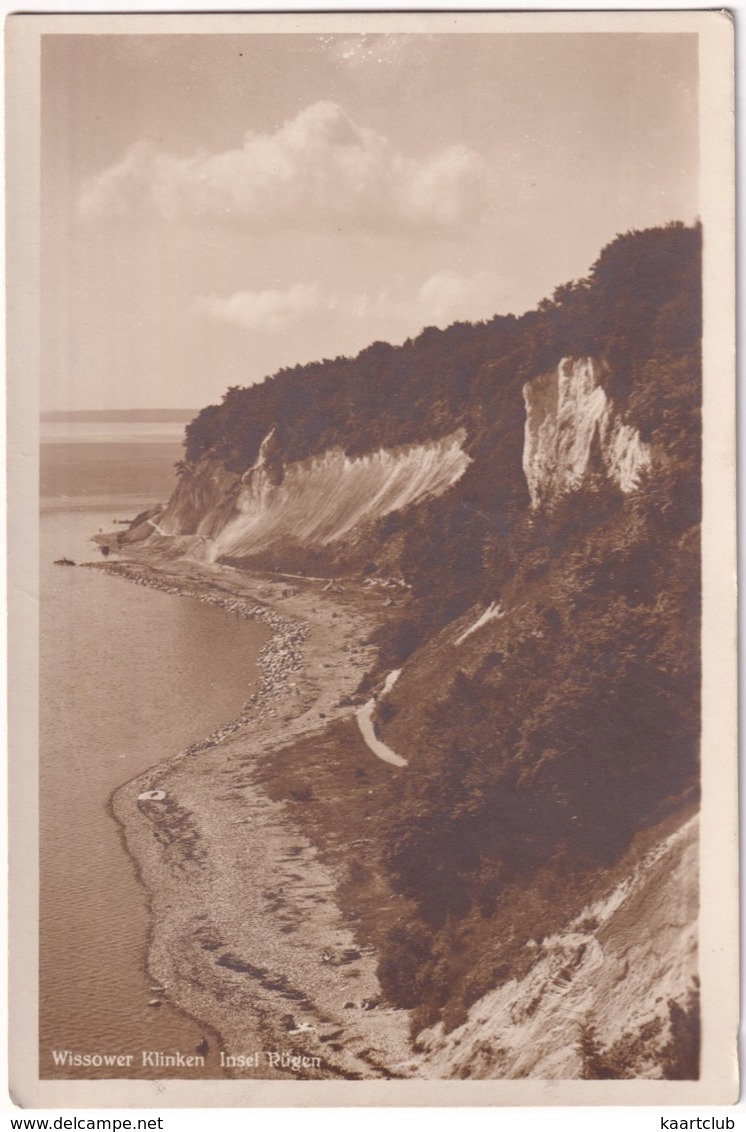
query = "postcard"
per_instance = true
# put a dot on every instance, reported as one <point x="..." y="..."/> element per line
<point x="372" y="559"/>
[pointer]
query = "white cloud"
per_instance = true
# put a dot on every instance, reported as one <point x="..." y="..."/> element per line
<point x="270" y="310"/>
<point x="443" y="298"/>
<point x="318" y="169"/>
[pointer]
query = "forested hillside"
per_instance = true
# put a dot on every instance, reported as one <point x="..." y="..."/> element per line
<point x="639" y="309"/>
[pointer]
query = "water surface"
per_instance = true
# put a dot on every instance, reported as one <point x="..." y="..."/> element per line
<point x="129" y="677"/>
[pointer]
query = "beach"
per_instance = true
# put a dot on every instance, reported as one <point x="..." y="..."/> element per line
<point x="248" y="934"/>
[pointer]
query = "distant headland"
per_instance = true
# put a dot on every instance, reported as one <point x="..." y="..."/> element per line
<point x="155" y="416"/>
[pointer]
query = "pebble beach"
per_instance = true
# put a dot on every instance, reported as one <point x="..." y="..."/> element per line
<point x="246" y="934"/>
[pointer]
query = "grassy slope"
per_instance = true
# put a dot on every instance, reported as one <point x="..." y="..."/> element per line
<point x="335" y="790"/>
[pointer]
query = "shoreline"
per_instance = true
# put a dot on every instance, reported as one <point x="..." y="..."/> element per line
<point x="242" y="909"/>
<point x="278" y="657"/>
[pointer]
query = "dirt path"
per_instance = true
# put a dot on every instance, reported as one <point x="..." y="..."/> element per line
<point x="364" y="716"/>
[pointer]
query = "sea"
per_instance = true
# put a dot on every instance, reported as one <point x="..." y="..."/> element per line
<point x="129" y="676"/>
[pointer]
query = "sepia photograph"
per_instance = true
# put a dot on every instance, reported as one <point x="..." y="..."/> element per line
<point x="372" y="613"/>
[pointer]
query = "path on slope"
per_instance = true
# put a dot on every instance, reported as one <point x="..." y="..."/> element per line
<point x="364" y="716"/>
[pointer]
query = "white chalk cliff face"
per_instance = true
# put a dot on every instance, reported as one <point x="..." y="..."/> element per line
<point x="571" y="427"/>
<point x="320" y="500"/>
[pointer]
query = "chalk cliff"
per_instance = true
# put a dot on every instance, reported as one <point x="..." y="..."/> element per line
<point x="572" y="428"/>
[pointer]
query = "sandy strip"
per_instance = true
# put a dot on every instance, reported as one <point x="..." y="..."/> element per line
<point x="246" y="934"/>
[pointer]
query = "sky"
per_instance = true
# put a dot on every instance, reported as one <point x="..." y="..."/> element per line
<point x="216" y="207"/>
